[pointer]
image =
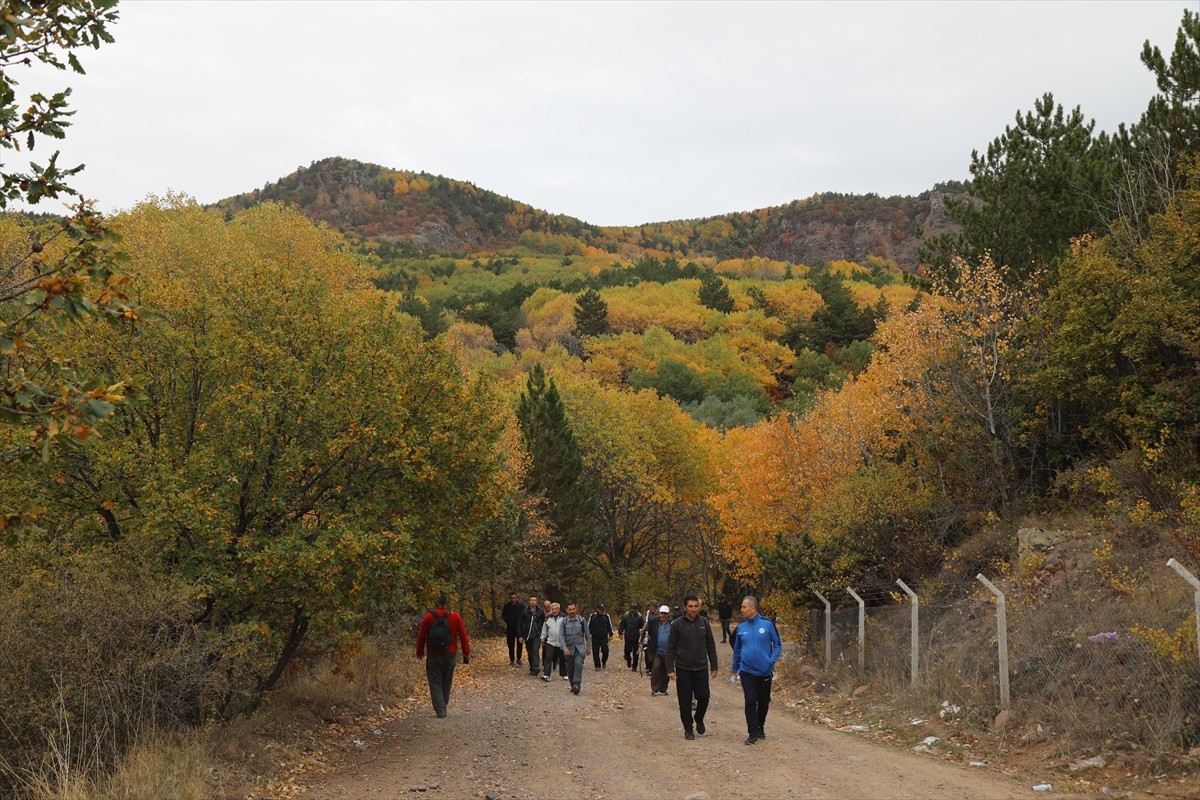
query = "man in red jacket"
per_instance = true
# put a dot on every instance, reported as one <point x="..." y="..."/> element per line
<point x="442" y="633"/>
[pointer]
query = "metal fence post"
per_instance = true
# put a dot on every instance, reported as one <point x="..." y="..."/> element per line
<point x="915" y="628"/>
<point x="862" y="626"/>
<point x="1001" y="637"/>
<point x="1190" y="578"/>
<point x="828" y="626"/>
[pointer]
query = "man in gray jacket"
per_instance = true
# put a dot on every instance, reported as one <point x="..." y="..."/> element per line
<point x="575" y="646"/>
<point x="690" y="648"/>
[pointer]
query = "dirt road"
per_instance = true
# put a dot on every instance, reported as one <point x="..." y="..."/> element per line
<point x="511" y="736"/>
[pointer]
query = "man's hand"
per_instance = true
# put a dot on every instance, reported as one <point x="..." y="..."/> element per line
<point x="671" y="676"/>
<point x="714" y="674"/>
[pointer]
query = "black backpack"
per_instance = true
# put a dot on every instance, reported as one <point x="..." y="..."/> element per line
<point x="438" y="640"/>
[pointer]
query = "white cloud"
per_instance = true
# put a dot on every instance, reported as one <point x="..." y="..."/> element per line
<point x="617" y="113"/>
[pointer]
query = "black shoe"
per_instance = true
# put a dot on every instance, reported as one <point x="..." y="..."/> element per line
<point x="700" y="727"/>
<point x="761" y="734"/>
<point x="751" y="739"/>
<point x="689" y="735"/>
<point x="440" y="714"/>
<point x="574" y="690"/>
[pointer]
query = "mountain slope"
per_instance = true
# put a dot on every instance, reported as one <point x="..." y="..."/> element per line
<point x="435" y="213"/>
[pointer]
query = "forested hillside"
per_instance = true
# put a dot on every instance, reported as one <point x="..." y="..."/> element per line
<point x="432" y="213"/>
<point x="236" y="443"/>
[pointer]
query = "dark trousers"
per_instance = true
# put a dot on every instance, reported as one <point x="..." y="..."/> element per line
<point x="725" y="630"/>
<point x="514" y="645"/>
<point x="659" y="682"/>
<point x="535" y="666"/>
<point x="632" y="651"/>
<point x="691" y="683"/>
<point x="574" y="661"/>
<point x="553" y="657"/>
<point x="439" y="671"/>
<point x="600" y="651"/>
<point x="757" y="691"/>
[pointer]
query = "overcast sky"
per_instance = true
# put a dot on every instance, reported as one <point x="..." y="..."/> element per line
<point x="614" y="112"/>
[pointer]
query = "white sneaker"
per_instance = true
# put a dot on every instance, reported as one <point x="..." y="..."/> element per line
<point x="546" y="678"/>
<point x="565" y="678"/>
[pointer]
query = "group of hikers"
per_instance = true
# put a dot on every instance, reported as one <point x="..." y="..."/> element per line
<point x="672" y="646"/>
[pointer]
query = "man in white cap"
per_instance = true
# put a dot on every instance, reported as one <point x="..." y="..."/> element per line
<point x="657" y="633"/>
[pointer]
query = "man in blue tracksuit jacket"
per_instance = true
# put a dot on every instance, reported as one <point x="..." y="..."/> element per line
<point x="756" y="648"/>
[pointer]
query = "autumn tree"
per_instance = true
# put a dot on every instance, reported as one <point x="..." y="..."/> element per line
<point x="1122" y="334"/>
<point x="651" y="467"/>
<point x="300" y="457"/>
<point x="50" y="276"/>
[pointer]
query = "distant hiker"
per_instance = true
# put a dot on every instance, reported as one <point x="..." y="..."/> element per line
<point x="631" y="628"/>
<point x="601" y="629"/>
<point x="575" y="646"/>
<point x="656" y="651"/>
<point x="756" y="648"/>
<point x="691" y="656"/>
<point x="552" y="639"/>
<point x="725" y="615"/>
<point x="511" y="614"/>
<point x="647" y="655"/>
<point x="442" y="633"/>
<point x="545" y="616"/>
<point x="530" y="633"/>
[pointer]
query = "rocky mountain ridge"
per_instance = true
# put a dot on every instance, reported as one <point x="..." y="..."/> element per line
<point x="434" y="213"/>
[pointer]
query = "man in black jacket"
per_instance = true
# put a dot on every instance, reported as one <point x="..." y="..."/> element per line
<point x="725" y="614"/>
<point x="690" y="648"/>
<point x="601" y="629"/>
<point x="631" y="628"/>
<point x="511" y="614"/>
<point x="530" y="633"/>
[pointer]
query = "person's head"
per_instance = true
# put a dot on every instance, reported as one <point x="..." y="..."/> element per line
<point x="512" y="597"/>
<point x="546" y="606"/>
<point x="443" y="600"/>
<point x="691" y="606"/>
<point x="533" y="601"/>
<point x="570" y="609"/>
<point x="555" y="608"/>
<point x="749" y="607"/>
<point x="633" y="608"/>
<point x="600" y="609"/>
<point x="664" y="613"/>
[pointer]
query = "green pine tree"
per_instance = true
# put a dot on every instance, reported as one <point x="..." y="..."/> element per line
<point x="591" y="314"/>
<point x="556" y="475"/>
<point x="715" y="294"/>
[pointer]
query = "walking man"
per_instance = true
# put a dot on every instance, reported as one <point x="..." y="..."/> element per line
<point x="657" y="633"/>
<point x="530" y="633"/>
<point x="756" y="648"/>
<point x="552" y="651"/>
<point x="512" y="612"/>
<point x="575" y="646"/>
<point x="691" y="649"/>
<point x="601" y="629"/>
<point x="631" y="628"/>
<point x="725" y="615"/>
<point x="442" y="633"/>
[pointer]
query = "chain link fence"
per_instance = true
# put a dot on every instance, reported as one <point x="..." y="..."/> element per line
<point x="1123" y="666"/>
